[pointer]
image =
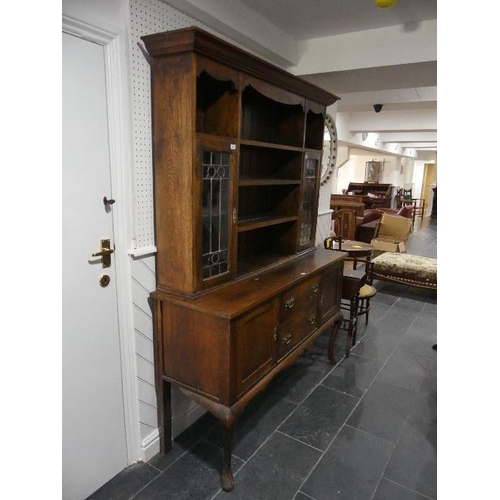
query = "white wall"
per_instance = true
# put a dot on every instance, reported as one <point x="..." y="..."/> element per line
<point x="354" y="170"/>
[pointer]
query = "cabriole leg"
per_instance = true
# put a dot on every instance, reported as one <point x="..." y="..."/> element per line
<point x="227" y="480"/>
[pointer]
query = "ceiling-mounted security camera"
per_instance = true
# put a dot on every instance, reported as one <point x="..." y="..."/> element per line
<point x="377" y="108"/>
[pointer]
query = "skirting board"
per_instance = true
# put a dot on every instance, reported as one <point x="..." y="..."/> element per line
<point x="150" y="445"/>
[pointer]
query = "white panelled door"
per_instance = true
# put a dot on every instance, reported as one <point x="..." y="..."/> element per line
<point x="94" y="439"/>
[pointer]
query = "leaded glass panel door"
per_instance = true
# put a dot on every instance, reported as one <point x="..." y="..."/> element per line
<point x="216" y="167"/>
<point x="308" y="200"/>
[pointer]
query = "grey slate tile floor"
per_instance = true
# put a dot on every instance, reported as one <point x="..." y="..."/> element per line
<point x="362" y="430"/>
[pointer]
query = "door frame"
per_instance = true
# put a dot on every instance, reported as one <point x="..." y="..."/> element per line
<point x="119" y="127"/>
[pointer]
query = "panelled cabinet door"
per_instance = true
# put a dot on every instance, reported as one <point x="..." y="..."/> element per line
<point x="255" y="345"/>
<point x="216" y="166"/>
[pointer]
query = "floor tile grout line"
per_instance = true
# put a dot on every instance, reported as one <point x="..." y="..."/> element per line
<point x="302" y="493"/>
<point x="249" y="458"/>
<point x="302" y="401"/>
<point x="385" y="468"/>
<point x="298" y="440"/>
<point x="297" y="405"/>
<point x="345" y="421"/>
<point x="294" y="410"/>
<point x="398" y="342"/>
<point x="170" y="465"/>
<point x="409" y="489"/>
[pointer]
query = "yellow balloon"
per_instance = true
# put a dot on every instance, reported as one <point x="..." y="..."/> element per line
<point x="385" y="3"/>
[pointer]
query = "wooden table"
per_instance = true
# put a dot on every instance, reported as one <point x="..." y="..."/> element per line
<point x="355" y="249"/>
<point x="357" y="207"/>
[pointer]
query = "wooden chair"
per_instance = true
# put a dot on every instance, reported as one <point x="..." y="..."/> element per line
<point x="366" y="292"/>
<point x="357" y="290"/>
<point x="403" y="196"/>
<point x="418" y="208"/>
<point x="352" y="282"/>
<point x="344" y="221"/>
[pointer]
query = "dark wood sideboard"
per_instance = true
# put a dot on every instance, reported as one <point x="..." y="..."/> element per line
<point x="366" y="190"/>
<point x="242" y="290"/>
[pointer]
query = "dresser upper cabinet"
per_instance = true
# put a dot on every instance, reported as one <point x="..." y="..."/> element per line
<point x="237" y="156"/>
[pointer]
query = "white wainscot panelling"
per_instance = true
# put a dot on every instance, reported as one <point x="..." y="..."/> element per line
<point x="143" y="322"/>
<point x="140" y="297"/>
<point x="143" y="274"/>
<point x="148" y="415"/>
<point x="148" y="394"/>
<point x="144" y="347"/>
<point x="145" y="371"/>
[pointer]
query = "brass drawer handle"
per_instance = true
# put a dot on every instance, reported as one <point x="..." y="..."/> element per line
<point x="315" y="288"/>
<point x="289" y="303"/>
<point x="286" y="339"/>
<point x="312" y="320"/>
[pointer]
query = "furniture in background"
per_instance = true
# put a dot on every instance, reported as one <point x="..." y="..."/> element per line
<point x="406" y="269"/>
<point x="376" y="213"/>
<point x="392" y="234"/>
<point x="367" y="292"/>
<point x="418" y="209"/>
<point x="357" y="207"/>
<point x="354" y="249"/>
<point x="434" y="209"/>
<point x="345" y="224"/>
<point x="373" y="194"/>
<point x="241" y="290"/>
<point x="352" y="282"/>
<point x="403" y="197"/>
<point x="367" y="231"/>
<point x="345" y="197"/>
<point x="357" y="290"/>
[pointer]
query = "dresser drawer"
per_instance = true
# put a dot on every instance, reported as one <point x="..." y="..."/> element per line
<point x="298" y="328"/>
<point x="298" y="298"/>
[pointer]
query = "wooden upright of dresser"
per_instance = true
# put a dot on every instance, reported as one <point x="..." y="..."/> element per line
<point x="242" y="290"/>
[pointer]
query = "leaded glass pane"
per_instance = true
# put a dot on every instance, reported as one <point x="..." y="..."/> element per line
<point x="308" y="198"/>
<point x="215" y="213"/>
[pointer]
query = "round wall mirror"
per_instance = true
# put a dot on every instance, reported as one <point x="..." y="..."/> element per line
<point x="329" y="150"/>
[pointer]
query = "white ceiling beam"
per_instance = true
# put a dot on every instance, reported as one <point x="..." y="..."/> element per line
<point x="366" y="49"/>
<point x="244" y="26"/>
<point x="421" y="145"/>
<point x="420" y="95"/>
<point x="403" y="137"/>
<point x="424" y="120"/>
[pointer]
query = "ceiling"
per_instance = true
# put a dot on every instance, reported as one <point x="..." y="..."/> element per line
<point x="318" y="18"/>
<point x="404" y="89"/>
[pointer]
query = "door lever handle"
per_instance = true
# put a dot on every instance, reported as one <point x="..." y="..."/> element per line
<point x="105" y="253"/>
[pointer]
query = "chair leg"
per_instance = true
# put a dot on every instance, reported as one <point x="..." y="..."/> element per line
<point x="367" y="310"/>
<point x="353" y="324"/>
<point x="331" y="343"/>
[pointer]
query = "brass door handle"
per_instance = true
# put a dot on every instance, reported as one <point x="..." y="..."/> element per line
<point x="105" y="253"/>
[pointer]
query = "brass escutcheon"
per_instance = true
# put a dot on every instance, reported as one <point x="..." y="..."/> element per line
<point x="104" y="280"/>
